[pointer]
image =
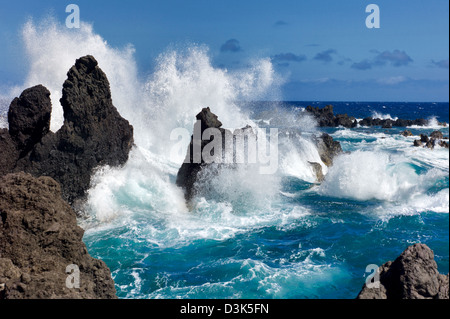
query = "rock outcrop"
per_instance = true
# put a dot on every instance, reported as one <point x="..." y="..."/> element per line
<point x="39" y="239"/>
<point x="8" y="152"/>
<point x="407" y="133"/>
<point x="93" y="133"/>
<point x="187" y="174"/>
<point x="328" y="148"/>
<point x="413" y="275"/>
<point x="29" y="117"/>
<point x="430" y="142"/>
<point x="326" y="118"/>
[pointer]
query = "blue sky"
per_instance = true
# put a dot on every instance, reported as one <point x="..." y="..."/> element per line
<point x="322" y="48"/>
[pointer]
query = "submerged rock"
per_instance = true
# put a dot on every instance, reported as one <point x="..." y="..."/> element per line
<point x="93" y="133"/>
<point x="413" y="275"/>
<point x="418" y="143"/>
<point x="424" y="138"/>
<point x="430" y="142"/>
<point x="407" y="133"/>
<point x="39" y="239"/>
<point x="437" y="135"/>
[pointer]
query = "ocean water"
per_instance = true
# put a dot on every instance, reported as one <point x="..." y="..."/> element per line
<point x="280" y="236"/>
<point x="252" y="235"/>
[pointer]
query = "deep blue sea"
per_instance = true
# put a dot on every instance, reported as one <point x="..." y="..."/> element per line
<point x="284" y="235"/>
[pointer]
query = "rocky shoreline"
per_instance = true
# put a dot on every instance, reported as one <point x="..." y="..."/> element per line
<point x="44" y="174"/>
<point x="325" y="118"/>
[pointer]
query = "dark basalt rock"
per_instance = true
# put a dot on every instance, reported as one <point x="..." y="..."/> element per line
<point x="39" y="238"/>
<point x="443" y="144"/>
<point x="93" y="133"/>
<point x="29" y="117"/>
<point x="328" y="148"/>
<point x="344" y="120"/>
<point x="437" y="135"/>
<point x="431" y="143"/>
<point x="9" y="154"/>
<point x="386" y="123"/>
<point x="325" y="117"/>
<point x="424" y="138"/>
<point x="187" y="174"/>
<point x="413" y="275"/>
<point x="407" y="133"/>
<point x="402" y="123"/>
<point x="420" y="122"/>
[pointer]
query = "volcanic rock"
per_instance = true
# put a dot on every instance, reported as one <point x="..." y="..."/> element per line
<point x="402" y="123"/>
<point x="437" y="135"/>
<point x="413" y="275"/>
<point x="194" y="161"/>
<point x="324" y="116"/>
<point x="407" y="133"/>
<point x="386" y="123"/>
<point x="9" y="154"/>
<point x="424" y="138"/>
<point x="328" y="148"/>
<point x="39" y="239"/>
<point x="93" y="133"/>
<point x="443" y="144"/>
<point x="29" y="117"/>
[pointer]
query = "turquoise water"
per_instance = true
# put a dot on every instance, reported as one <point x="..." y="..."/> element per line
<point x="278" y="237"/>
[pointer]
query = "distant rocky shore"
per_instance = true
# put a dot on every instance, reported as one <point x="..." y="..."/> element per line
<point x="326" y="118"/>
<point x="42" y="173"/>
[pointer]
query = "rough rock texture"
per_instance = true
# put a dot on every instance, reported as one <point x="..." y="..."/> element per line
<point x="407" y="133"/>
<point x="418" y="143"/>
<point x="328" y="148"/>
<point x="8" y="152"/>
<point x="29" y="117"/>
<point x="430" y="142"/>
<point x="93" y="133"/>
<point x="437" y="135"/>
<point x="387" y="124"/>
<point x="326" y="117"/>
<point x="413" y="275"/>
<point x="187" y="175"/>
<point x="39" y="238"/>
